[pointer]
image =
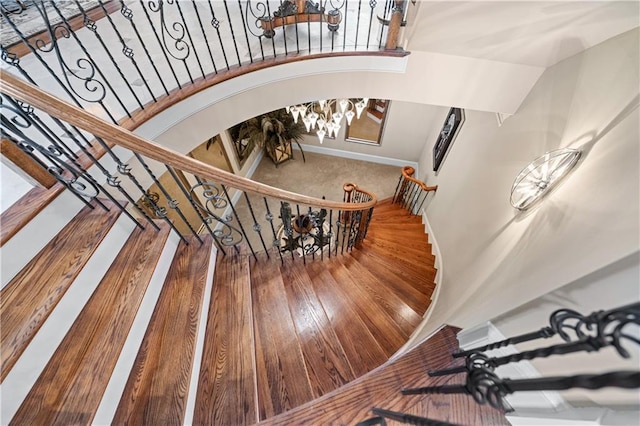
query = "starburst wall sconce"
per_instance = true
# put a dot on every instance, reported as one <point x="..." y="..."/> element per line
<point x="541" y="175"/>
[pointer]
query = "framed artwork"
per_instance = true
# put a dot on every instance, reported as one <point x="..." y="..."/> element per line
<point x="449" y="131"/>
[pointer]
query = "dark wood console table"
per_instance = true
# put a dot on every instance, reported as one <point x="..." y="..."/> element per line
<point x="297" y="11"/>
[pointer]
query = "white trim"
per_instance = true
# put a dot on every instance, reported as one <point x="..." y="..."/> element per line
<point x="358" y="156"/>
<point x="179" y="112"/>
<point x="202" y="327"/>
<point x="485" y="333"/>
<point x="255" y="164"/>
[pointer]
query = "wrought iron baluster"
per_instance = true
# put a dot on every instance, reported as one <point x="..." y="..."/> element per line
<point x="273" y="42"/>
<point x="186" y="29"/>
<point x="295" y="17"/>
<point x="298" y="220"/>
<point x="330" y="230"/>
<point x="286" y="217"/>
<point x="425" y="195"/>
<point x="126" y="50"/>
<point x="215" y="23"/>
<point x="189" y="197"/>
<point x="204" y="35"/>
<point x="171" y="202"/>
<point x="83" y="63"/>
<point x="269" y="218"/>
<point x="344" y="20"/>
<point x="313" y="251"/>
<point x="12" y="59"/>
<point x="235" y="214"/>
<point x="233" y="35"/>
<point x="246" y="35"/>
<point x="162" y="49"/>
<point x="128" y="15"/>
<point x="42" y="127"/>
<point x="355" y="47"/>
<point x="52" y="153"/>
<point x="408" y="418"/>
<point x="372" y="4"/>
<point x="486" y="387"/>
<point x="284" y="32"/>
<point x="559" y="321"/>
<point x="92" y="26"/>
<point x="395" y="193"/>
<point x="256" y="225"/>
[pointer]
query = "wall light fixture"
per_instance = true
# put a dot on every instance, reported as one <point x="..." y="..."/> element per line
<point x="542" y="174"/>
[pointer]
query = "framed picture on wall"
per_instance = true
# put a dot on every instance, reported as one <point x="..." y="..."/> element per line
<point x="449" y="131"/>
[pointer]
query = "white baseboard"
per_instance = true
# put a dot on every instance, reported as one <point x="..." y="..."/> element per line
<point x="255" y="164"/>
<point x="485" y="333"/>
<point x="358" y="156"/>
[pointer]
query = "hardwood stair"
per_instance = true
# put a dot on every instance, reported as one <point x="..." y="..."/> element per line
<point x="245" y="342"/>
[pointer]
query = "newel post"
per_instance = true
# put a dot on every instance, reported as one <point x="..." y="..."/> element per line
<point x="394" y="25"/>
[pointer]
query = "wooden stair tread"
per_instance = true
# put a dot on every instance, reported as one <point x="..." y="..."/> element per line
<point x="417" y="262"/>
<point x="395" y="293"/>
<point x="387" y="333"/>
<point x="226" y="388"/>
<point x="395" y="272"/>
<point x="406" y="247"/>
<point x="29" y="298"/>
<point x="70" y="388"/>
<point x="371" y="289"/>
<point x="156" y="391"/>
<point x="381" y="388"/>
<point x="326" y="362"/>
<point x="282" y="378"/>
<point x="360" y="346"/>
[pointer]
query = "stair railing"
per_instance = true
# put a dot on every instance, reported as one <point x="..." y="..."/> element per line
<point x="581" y="333"/>
<point x="98" y="58"/>
<point x="411" y="193"/>
<point x="229" y="207"/>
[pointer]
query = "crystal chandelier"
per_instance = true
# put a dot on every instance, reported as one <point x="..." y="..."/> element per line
<point x="327" y="115"/>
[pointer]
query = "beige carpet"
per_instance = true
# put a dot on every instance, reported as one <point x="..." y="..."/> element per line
<point x="319" y="175"/>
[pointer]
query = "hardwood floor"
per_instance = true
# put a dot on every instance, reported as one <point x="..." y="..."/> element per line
<point x="276" y="343"/>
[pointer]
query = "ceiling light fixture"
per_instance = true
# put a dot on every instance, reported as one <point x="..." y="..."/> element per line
<point x="327" y="116"/>
<point x="542" y="174"/>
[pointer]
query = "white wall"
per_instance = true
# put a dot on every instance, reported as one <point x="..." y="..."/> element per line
<point x="404" y="133"/>
<point x="612" y="286"/>
<point x="496" y="259"/>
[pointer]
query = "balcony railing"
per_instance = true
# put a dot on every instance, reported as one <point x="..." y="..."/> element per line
<point x="198" y="198"/>
<point x="115" y="58"/>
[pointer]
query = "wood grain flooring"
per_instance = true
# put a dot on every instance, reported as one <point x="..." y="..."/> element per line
<point x="29" y="298"/>
<point x="381" y="388"/>
<point x="157" y="389"/>
<point x="70" y="388"/>
<point x="226" y="388"/>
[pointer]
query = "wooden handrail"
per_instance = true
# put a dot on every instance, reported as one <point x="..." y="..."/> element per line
<point x="407" y="173"/>
<point x="25" y="92"/>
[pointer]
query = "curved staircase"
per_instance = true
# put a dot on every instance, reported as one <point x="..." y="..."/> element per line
<point x="139" y="328"/>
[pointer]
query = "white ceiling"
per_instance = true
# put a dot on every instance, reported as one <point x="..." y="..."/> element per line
<point x="537" y="33"/>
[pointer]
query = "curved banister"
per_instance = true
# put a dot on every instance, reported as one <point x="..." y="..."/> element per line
<point x="32" y="95"/>
<point x="407" y="173"/>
